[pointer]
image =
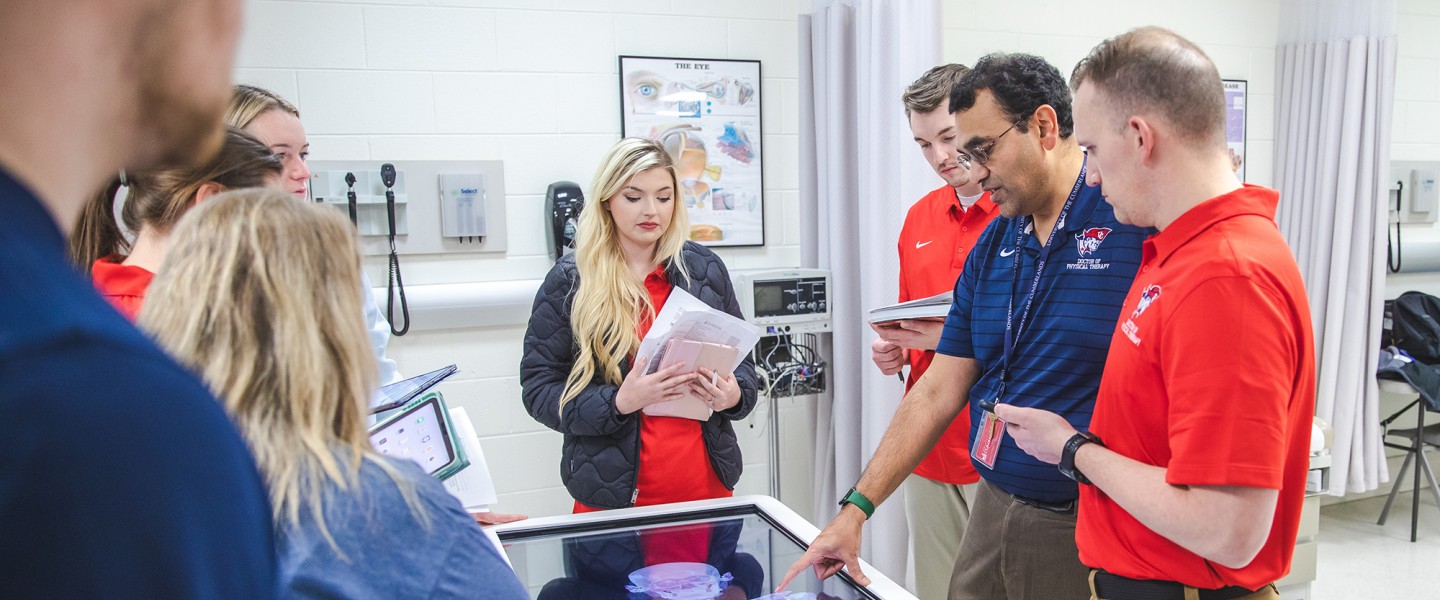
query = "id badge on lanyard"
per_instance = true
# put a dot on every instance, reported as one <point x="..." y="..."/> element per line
<point x="990" y="431"/>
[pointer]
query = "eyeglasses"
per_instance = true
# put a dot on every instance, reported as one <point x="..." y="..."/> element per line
<point x="980" y="155"/>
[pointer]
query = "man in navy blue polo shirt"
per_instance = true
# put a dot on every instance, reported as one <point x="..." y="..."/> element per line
<point x="1030" y="326"/>
<point x="120" y="476"/>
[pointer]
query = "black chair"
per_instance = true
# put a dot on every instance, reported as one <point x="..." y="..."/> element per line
<point x="1417" y="437"/>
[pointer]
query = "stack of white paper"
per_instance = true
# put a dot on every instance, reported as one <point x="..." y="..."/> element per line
<point x="685" y="317"/>
<point x="472" y="485"/>
<point x="933" y="307"/>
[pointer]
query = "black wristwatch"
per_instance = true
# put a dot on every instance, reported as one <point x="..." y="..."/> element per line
<point x="1067" y="456"/>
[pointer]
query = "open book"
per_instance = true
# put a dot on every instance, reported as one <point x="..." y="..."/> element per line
<point x="934" y="307"/>
<point x="691" y="331"/>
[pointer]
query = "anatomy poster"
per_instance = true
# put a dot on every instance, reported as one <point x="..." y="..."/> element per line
<point x="1235" y="124"/>
<point x="707" y="114"/>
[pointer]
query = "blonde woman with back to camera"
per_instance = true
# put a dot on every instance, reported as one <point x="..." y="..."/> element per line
<point x="579" y="373"/>
<point x="260" y="297"/>
<point x="276" y="122"/>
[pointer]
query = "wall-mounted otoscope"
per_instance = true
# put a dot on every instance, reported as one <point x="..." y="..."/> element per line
<point x="396" y="283"/>
<point x="350" y="196"/>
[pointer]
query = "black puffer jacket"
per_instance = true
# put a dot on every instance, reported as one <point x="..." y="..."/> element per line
<point x="602" y="447"/>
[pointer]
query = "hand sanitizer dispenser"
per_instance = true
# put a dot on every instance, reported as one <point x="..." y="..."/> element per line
<point x="563" y="203"/>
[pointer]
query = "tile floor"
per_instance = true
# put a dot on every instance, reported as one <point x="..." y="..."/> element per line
<point x="1359" y="560"/>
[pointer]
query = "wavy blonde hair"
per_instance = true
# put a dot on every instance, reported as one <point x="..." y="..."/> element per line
<point x="260" y="296"/>
<point x="248" y="102"/>
<point x="610" y="301"/>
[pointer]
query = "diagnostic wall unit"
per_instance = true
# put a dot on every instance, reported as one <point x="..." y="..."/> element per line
<point x="1418" y="186"/>
<point x="785" y="301"/>
<point x="441" y="207"/>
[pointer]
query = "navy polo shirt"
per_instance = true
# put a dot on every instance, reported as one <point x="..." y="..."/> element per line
<point x="120" y="475"/>
<point x="1057" y="361"/>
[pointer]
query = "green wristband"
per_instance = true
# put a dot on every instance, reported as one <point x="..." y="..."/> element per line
<point x="860" y="501"/>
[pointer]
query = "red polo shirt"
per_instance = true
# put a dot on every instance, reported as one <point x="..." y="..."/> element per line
<point x="937" y="236"/>
<point x="123" y="285"/>
<point x="1210" y="375"/>
<point x="674" y="463"/>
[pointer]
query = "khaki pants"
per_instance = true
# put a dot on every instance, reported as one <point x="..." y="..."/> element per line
<point x="1013" y="551"/>
<point x="1268" y="592"/>
<point x="938" y="514"/>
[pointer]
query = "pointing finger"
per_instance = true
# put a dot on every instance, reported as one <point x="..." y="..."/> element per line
<point x="795" y="569"/>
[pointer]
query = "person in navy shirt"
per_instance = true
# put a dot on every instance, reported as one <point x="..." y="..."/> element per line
<point x="1031" y="323"/>
<point x="120" y="476"/>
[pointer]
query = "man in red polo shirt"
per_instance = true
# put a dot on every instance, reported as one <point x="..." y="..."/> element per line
<point x="938" y="234"/>
<point x="1198" y="449"/>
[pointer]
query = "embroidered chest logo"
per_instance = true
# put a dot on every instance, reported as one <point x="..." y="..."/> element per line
<point x="1146" y="298"/>
<point x="1086" y="244"/>
<point x="1088" y="241"/>
<point x="1129" y="328"/>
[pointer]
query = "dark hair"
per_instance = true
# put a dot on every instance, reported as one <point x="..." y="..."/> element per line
<point x="933" y="88"/>
<point x="157" y="199"/>
<point x="1154" y="70"/>
<point x="1021" y="83"/>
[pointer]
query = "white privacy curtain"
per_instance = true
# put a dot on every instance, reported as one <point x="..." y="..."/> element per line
<point x="859" y="172"/>
<point x="1335" y="70"/>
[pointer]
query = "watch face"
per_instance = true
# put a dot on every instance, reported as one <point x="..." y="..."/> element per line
<point x="859" y="500"/>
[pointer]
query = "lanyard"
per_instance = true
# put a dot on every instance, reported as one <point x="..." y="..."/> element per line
<point x="1013" y="328"/>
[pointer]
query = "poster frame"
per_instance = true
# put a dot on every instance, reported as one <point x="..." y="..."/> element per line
<point x="630" y="126"/>
<point x="1239" y="87"/>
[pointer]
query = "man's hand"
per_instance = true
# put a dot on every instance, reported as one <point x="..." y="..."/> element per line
<point x="918" y="334"/>
<point x="1040" y="433"/>
<point x="836" y="547"/>
<point x="889" y="357"/>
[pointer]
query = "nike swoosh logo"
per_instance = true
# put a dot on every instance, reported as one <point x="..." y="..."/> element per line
<point x="1006" y="252"/>
<point x="919" y="245"/>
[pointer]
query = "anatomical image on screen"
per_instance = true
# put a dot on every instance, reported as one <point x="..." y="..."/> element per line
<point x="733" y="557"/>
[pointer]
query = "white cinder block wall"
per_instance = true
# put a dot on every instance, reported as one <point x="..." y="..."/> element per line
<point x="1416" y="133"/>
<point x="1239" y="35"/>
<point x="534" y="84"/>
